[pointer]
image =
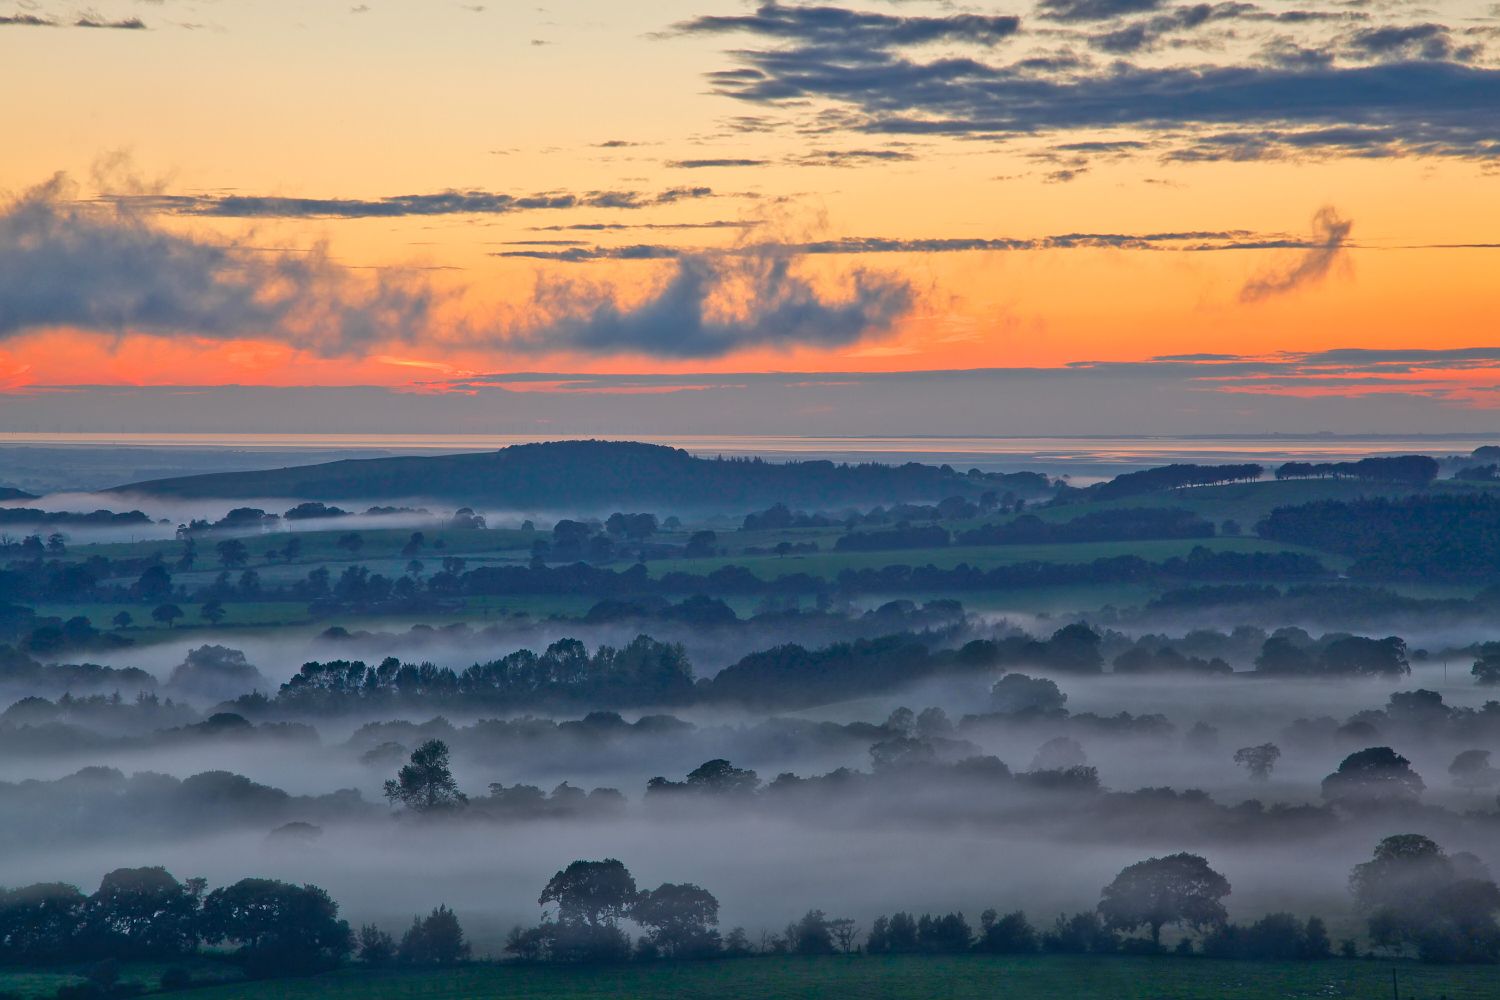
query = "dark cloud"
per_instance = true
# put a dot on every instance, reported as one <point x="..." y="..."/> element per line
<point x="721" y="162"/>
<point x="1200" y="241"/>
<point x="610" y="227"/>
<point x="850" y="157"/>
<point x="1093" y="10"/>
<point x="109" y="269"/>
<point x="854" y="30"/>
<point x="1144" y="34"/>
<point x="395" y="206"/>
<point x="1411" y="41"/>
<point x="1296" y="95"/>
<point x="1330" y="238"/>
<point x="712" y="305"/>
<point x="85" y="21"/>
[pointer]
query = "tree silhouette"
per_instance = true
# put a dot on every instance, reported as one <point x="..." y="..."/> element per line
<point x="1258" y="760"/>
<point x="436" y="939"/>
<point x="1177" y="889"/>
<point x="232" y="553"/>
<point x="166" y="614"/>
<point x="426" y="783"/>
<point x="1373" y="776"/>
<point x="1471" y="770"/>
<point x="680" y="919"/>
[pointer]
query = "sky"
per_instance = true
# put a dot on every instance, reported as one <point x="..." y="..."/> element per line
<point x="1080" y="216"/>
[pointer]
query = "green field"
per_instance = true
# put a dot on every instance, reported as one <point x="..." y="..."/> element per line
<point x="864" y="978"/>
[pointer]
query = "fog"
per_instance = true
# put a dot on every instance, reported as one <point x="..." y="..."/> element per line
<point x="932" y="842"/>
<point x="926" y="793"/>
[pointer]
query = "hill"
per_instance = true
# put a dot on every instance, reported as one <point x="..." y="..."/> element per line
<point x="11" y="493"/>
<point x="619" y="474"/>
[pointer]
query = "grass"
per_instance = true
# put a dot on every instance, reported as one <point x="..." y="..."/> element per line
<point x="43" y="982"/>
<point x="890" y="978"/>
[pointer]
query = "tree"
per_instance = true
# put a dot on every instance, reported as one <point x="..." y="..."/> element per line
<point x="375" y="946"/>
<point x="166" y="614"/>
<point x="591" y="897"/>
<point x="232" y="553"/>
<point x="700" y="544"/>
<point x="1075" y="648"/>
<point x="1011" y="934"/>
<point x="1374" y="776"/>
<point x="720" y="777"/>
<point x="351" y="542"/>
<point x="212" y="612"/>
<point x="426" y="784"/>
<point x="280" y="928"/>
<point x="1471" y="770"/>
<point x="1059" y="753"/>
<point x="436" y="939"/>
<point x="1486" y="668"/>
<point x="1414" y="894"/>
<point x="41" y="923"/>
<point x="216" y="672"/>
<point x="413" y="545"/>
<point x="1014" y="694"/>
<point x="1177" y="889"/>
<point x="845" y="932"/>
<point x="122" y="620"/>
<point x="1281" y="655"/>
<point x="155" y="584"/>
<point x="1260" y="760"/>
<point x="811" y="935"/>
<point x="596" y="893"/>
<point x="143" y="913"/>
<point x="680" y="919"/>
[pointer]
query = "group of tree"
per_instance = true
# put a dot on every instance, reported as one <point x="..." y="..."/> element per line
<point x="591" y="900"/>
<point x="1171" y="477"/>
<point x="1333" y="656"/>
<point x="643" y="671"/>
<point x="1410" y="470"/>
<point x="1122" y="525"/>
<point x="145" y="914"/>
<point x="1426" y="536"/>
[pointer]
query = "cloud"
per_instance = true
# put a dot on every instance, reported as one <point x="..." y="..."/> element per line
<point x="1144" y="34"/>
<point x="853" y="30"/>
<point x="440" y="203"/>
<point x="712" y="305"/>
<point x="1288" y="91"/>
<point x="1093" y="10"/>
<point x="1411" y="41"/>
<point x="722" y="162"/>
<point x="1331" y="235"/>
<point x="109" y="269"/>
<point x="1186" y="241"/>
<point x="125" y="24"/>
<point x="595" y="227"/>
<point x="850" y="157"/>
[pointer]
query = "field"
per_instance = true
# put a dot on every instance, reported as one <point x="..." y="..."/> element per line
<point x="955" y="978"/>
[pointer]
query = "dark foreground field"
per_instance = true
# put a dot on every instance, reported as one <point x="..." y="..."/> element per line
<point x="958" y="978"/>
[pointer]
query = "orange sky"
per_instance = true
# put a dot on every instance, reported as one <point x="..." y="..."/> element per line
<point x="276" y="100"/>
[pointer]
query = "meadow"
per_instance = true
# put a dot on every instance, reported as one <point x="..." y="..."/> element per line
<point x="909" y="978"/>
